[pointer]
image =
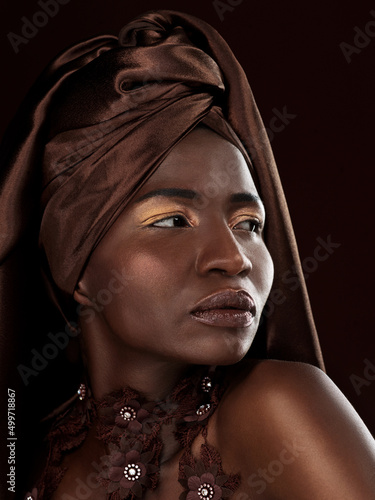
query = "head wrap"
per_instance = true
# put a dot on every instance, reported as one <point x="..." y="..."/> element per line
<point x="94" y="127"/>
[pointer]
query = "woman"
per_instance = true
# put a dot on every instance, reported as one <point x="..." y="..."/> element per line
<point x="157" y="179"/>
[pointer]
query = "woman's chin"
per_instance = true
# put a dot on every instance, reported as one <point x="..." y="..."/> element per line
<point x="230" y="354"/>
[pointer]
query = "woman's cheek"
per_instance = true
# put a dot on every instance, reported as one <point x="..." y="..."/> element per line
<point x="150" y="274"/>
<point x="266" y="273"/>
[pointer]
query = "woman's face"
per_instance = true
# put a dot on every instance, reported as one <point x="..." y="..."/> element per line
<point x="195" y="269"/>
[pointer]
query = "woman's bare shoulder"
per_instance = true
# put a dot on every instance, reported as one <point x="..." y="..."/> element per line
<point x="290" y="430"/>
<point x="262" y="381"/>
<point x="288" y="387"/>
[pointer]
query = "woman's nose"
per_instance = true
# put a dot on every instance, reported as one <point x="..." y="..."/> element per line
<point x="221" y="252"/>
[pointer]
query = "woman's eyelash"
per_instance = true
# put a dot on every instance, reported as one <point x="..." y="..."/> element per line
<point x="254" y="225"/>
<point x="172" y="221"/>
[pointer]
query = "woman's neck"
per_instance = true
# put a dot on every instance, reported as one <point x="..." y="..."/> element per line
<point x="111" y="367"/>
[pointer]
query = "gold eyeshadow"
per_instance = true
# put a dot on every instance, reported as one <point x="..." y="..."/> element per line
<point x="244" y="214"/>
<point x="157" y="208"/>
<point x="153" y="210"/>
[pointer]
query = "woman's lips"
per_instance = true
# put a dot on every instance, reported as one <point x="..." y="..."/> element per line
<point x="232" y="318"/>
<point x="229" y="308"/>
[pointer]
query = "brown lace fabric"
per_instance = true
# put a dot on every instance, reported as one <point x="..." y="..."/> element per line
<point x="132" y="429"/>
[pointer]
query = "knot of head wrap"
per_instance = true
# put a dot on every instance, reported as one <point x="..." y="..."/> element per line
<point x="111" y="124"/>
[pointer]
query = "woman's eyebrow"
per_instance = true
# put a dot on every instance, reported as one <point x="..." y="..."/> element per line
<point x="246" y="197"/>
<point x="188" y="194"/>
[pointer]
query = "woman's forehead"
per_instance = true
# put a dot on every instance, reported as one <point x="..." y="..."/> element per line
<point x="205" y="161"/>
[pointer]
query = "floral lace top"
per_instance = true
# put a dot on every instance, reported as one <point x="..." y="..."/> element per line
<point x="131" y="428"/>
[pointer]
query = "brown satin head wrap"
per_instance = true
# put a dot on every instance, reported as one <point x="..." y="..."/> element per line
<point x="115" y="120"/>
<point x="97" y="124"/>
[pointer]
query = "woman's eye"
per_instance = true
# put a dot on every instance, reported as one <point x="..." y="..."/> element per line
<point x="253" y="226"/>
<point x="174" y="221"/>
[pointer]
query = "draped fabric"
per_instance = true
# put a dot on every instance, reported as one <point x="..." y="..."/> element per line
<point x="93" y="128"/>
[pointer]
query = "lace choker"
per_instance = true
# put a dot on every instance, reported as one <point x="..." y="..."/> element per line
<point x="139" y="436"/>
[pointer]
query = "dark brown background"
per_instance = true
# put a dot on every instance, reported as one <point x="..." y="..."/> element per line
<point x="291" y="54"/>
